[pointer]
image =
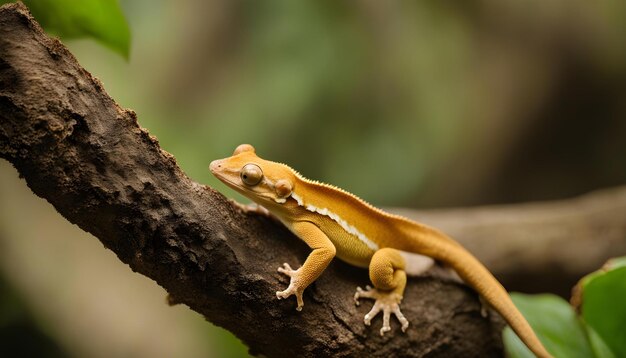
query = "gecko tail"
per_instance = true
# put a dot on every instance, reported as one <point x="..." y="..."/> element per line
<point x="478" y="277"/>
<point x="433" y="243"/>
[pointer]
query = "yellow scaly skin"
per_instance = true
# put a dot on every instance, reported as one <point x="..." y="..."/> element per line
<point x="334" y="222"/>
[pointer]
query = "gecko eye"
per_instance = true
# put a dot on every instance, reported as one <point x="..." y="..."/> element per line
<point x="251" y="174"/>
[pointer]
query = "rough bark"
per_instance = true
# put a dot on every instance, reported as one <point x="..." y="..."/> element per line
<point x="76" y="148"/>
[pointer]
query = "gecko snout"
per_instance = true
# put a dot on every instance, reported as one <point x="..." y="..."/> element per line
<point x="215" y="166"/>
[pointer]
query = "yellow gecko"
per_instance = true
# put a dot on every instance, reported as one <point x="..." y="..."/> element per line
<point x="333" y="222"/>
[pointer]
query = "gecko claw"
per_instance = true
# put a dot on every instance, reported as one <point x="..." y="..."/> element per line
<point x="359" y="290"/>
<point x="286" y="269"/>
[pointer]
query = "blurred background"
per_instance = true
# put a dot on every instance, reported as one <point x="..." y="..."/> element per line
<point x="413" y="104"/>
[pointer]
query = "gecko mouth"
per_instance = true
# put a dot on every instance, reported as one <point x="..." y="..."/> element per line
<point x="226" y="181"/>
<point x="230" y="183"/>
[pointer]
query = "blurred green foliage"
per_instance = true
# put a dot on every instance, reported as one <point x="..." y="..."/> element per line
<point x="402" y="103"/>
<point x="308" y="88"/>
<point x="20" y="334"/>
<point x="102" y="20"/>
<point x="597" y="332"/>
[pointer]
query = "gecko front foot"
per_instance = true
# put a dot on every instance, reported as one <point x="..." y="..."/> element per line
<point x="295" y="287"/>
<point x="253" y="208"/>
<point x="386" y="301"/>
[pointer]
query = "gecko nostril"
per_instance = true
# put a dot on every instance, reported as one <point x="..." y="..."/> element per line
<point x="215" y="166"/>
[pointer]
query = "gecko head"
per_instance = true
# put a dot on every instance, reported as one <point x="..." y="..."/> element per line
<point x="258" y="179"/>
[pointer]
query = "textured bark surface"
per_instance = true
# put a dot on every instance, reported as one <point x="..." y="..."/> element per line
<point x="89" y="158"/>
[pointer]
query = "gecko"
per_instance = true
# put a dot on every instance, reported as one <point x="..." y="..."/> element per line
<point x="334" y="222"/>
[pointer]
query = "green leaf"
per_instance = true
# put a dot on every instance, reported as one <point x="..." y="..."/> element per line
<point x="102" y="20"/>
<point x="597" y="344"/>
<point x="604" y="305"/>
<point x="612" y="264"/>
<point x="555" y="323"/>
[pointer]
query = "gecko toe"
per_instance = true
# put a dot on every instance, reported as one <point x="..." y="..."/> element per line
<point x="384" y="329"/>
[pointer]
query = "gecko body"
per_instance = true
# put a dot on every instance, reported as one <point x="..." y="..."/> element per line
<point x="333" y="222"/>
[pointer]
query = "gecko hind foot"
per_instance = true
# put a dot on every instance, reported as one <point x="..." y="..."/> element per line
<point x="386" y="301"/>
